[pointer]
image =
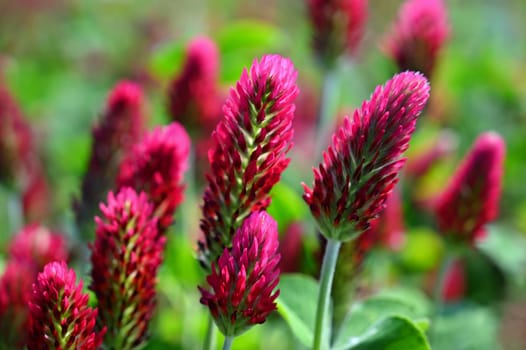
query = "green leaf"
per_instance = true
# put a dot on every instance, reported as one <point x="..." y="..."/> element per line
<point x="362" y="315"/>
<point x="392" y="333"/>
<point x="297" y="304"/>
<point x="450" y="331"/>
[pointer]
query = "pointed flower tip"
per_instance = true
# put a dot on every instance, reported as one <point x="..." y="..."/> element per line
<point x="52" y="326"/>
<point x="249" y="151"/>
<point x="36" y="246"/>
<point x="418" y="35"/>
<point x="157" y="165"/>
<point x="243" y="282"/>
<point x="338" y="26"/>
<point x="193" y="94"/>
<point x="125" y="94"/>
<point x="471" y="199"/>
<point x="361" y="165"/>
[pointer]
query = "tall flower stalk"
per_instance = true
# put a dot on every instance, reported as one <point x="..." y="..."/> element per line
<point x="119" y="128"/>
<point x="471" y="199"/>
<point x="156" y="165"/>
<point x="359" y="170"/>
<point x="417" y="37"/>
<point x="60" y="316"/>
<point x="125" y="257"/>
<point x="249" y="150"/>
<point x="244" y="279"/>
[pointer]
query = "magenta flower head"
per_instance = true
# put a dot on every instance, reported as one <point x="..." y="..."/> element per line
<point x="338" y="27"/>
<point x="59" y="314"/>
<point x="193" y="96"/>
<point x="248" y="156"/>
<point x="156" y="165"/>
<point x="243" y="280"/>
<point x="418" y="35"/>
<point x="125" y="258"/>
<point x="37" y="246"/>
<point x="120" y="127"/>
<point x="360" y="167"/>
<point x="471" y="199"/>
<point x="16" y="141"/>
<point x="15" y="292"/>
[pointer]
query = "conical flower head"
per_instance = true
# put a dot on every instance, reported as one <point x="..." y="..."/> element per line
<point x="37" y="246"/>
<point x="60" y="316"/>
<point x="156" y="165"/>
<point x="418" y="35"/>
<point x="338" y="27"/>
<point x="16" y="141"/>
<point x="243" y="280"/>
<point x="360" y="167"/>
<point x="125" y="257"/>
<point x="193" y="96"/>
<point x="248" y="156"/>
<point x="471" y="199"/>
<point x="119" y="128"/>
<point x="15" y="293"/>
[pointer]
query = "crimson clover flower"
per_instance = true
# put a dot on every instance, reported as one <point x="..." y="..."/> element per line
<point x="125" y="258"/>
<point x="16" y="140"/>
<point x="60" y="318"/>
<point x="471" y="199"/>
<point x="37" y="246"/>
<point x="30" y="250"/>
<point x="248" y="156"/>
<point x="338" y="27"/>
<point x="360" y="167"/>
<point x="418" y="35"/>
<point x="193" y="97"/>
<point x="244" y="279"/>
<point x="156" y="165"/>
<point x="120" y="127"/>
<point x="15" y="292"/>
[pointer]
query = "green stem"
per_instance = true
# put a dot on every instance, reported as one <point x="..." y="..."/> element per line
<point x="210" y="340"/>
<point x="328" y="99"/>
<point x="447" y="262"/>
<point x="228" y="342"/>
<point x="327" y="274"/>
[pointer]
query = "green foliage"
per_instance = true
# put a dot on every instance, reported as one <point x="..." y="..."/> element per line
<point x="297" y="305"/>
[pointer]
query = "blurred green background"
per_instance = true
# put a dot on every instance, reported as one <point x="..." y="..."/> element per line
<point x="60" y="58"/>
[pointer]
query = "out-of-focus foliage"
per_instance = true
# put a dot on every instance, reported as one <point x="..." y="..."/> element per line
<point x="61" y="57"/>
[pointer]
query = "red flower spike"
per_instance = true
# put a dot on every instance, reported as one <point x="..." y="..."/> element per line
<point x="248" y="156"/>
<point x="471" y="199"/>
<point x="156" y="166"/>
<point x="15" y="292"/>
<point x="59" y="314"/>
<point x="193" y="95"/>
<point x="120" y="127"/>
<point x="16" y="140"/>
<point x="37" y="246"/>
<point x="360" y="167"/>
<point x="338" y="27"/>
<point x="418" y="35"/>
<point x="244" y="279"/>
<point x="125" y="258"/>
